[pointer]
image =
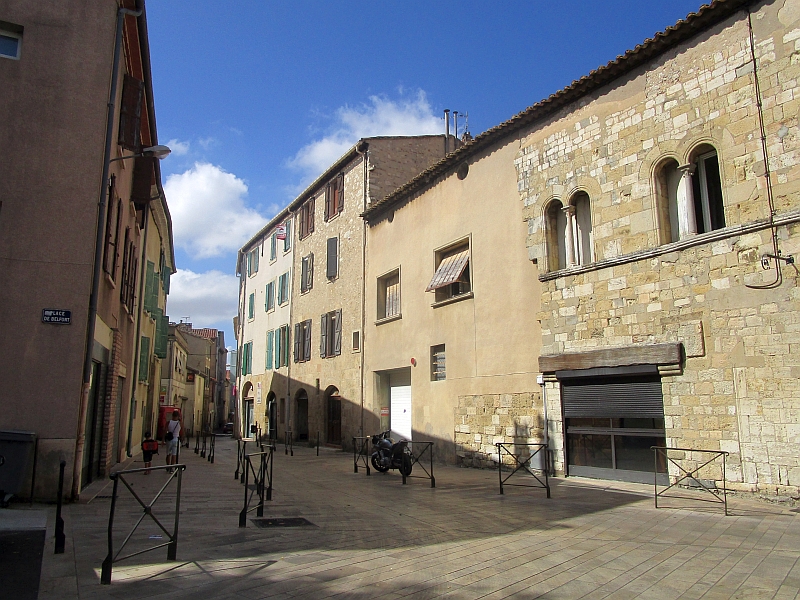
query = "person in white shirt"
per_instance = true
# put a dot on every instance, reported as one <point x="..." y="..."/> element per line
<point x="174" y="428"/>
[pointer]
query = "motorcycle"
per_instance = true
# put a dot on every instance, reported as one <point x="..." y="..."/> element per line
<point x="388" y="454"/>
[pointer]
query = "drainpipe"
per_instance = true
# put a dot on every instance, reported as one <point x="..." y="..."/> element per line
<point x="98" y="254"/>
<point x="363" y="150"/>
<point x="545" y="436"/>
<point x="290" y="333"/>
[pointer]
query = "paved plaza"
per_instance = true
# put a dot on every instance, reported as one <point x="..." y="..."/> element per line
<point x="372" y="537"/>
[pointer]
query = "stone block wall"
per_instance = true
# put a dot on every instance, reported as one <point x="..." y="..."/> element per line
<point x="738" y="390"/>
<point x="484" y="420"/>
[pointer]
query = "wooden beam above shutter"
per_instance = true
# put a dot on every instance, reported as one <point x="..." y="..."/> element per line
<point x="644" y="354"/>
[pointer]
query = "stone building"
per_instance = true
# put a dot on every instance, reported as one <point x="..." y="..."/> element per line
<point x="83" y="215"/>
<point x="661" y="199"/>
<point x="306" y="351"/>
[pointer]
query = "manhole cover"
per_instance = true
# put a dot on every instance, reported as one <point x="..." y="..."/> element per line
<point x="283" y="522"/>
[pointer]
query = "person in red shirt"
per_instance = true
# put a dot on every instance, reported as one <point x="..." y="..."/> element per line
<point x="149" y="447"/>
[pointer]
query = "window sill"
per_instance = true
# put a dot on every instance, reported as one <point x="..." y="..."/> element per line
<point x="110" y="281"/>
<point x="458" y="298"/>
<point x="396" y="317"/>
<point x="283" y="303"/>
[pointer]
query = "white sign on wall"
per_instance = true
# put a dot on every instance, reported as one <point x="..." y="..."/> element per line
<point x="258" y="393"/>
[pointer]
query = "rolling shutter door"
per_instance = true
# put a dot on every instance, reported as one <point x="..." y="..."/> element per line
<point x="618" y="397"/>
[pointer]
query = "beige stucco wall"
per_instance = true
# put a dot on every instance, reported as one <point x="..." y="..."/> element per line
<point x="738" y="389"/>
<point x="491" y="339"/>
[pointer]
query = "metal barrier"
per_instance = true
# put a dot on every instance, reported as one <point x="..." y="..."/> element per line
<point x="197" y="444"/>
<point x="60" y="537"/>
<point x="241" y="448"/>
<point x="360" y="452"/>
<point x="213" y="437"/>
<point x="691" y="475"/>
<point x="262" y="482"/>
<point x="416" y="459"/>
<point x="288" y="444"/>
<point x="522" y="462"/>
<point x="175" y="474"/>
<point x="203" y="449"/>
<point x="317" y="443"/>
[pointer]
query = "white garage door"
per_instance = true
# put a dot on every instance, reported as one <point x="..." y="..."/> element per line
<point x="400" y="397"/>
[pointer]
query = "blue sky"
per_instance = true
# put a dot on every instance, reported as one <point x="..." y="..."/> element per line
<point x="256" y="98"/>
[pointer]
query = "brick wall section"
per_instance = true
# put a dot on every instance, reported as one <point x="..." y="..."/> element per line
<point x="485" y="420"/>
<point x="739" y="389"/>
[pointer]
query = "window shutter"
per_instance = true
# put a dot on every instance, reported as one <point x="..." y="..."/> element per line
<point x="130" y="113"/>
<point x="337" y="334"/>
<point x="297" y="339"/>
<point x="165" y="278"/>
<point x="304" y="274"/>
<point x="273" y="247"/>
<point x="307" y="345"/>
<point x="310" y="281"/>
<point x="328" y="200"/>
<point x="162" y="333"/>
<point x="255" y="260"/>
<point x="340" y="193"/>
<point x="144" y="359"/>
<point x="251" y="306"/>
<point x="332" y="267"/>
<point x="310" y="227"/>
<point x="148" y="287"/>
<point x="270" y="337"/>
<point x="286" y="344"/>
<point x="287" y="242"/>
<point x="323" y="336"/>
<point x="142" y="180"/>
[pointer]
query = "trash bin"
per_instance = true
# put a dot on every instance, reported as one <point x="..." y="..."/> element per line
<point x="17" y="450"/>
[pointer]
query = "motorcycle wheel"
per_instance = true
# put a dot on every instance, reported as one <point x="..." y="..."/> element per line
<point x="405" y="465"/>
<point x="377" y="465"/>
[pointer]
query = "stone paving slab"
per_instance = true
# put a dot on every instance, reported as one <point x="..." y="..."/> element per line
<point x="373" y="537"/>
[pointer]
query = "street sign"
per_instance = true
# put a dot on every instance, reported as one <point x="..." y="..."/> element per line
<point x="56" y="315"/>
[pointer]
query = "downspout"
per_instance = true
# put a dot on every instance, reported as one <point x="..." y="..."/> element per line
<point x="240" y="343"/>
<point x="290" y="332"/>
<point x="545" y="434"/>
<point x="363" y="150"/>
<point x="98" y="253"/>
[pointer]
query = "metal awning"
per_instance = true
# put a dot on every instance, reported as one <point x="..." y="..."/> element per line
<point x="449" y="271"/>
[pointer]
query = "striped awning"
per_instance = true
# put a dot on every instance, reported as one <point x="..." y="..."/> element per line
<point x="450" y="269"/>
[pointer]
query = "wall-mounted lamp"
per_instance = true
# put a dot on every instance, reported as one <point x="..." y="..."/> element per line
<point x="160" y="152"/>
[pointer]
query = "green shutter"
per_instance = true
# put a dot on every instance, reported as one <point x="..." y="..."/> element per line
<point x="165" y="275"/>
<point x="251" y="306"/>
<point x="270" y="341"/>
<point x="144" y="359"/>
<point x="148" y="287"/>
<point x="162" y="333"/>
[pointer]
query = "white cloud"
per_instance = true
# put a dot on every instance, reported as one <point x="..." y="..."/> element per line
<point x="209" y="299"/>
<point x="209" y="215"/>
<point x="381" y="116"/>
<point x="178" y="147"/>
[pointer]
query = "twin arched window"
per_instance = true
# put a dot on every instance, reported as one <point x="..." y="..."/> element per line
<point x="569" y="233"/>
<point x="689" y="197"/>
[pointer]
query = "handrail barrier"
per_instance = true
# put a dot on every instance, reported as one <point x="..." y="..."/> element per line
<point x="175" y="474"/>
<point x="241" y="449"/>
<point x="520" y="461"/>
<point x="288" y="444"/>
<point x="416" y="459"/>
<point x="262" y="482"/>
<point x="210" y="457"/>
<point x="60" y="537"/>
<point x="689" y="475"/>
<point x="204" y="448"/>
<point x="360" y="452"/>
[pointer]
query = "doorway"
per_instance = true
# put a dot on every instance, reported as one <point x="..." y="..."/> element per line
<point x="272" y="416"/>
<point x="334" y="417"/>
<point x="248" y="418"/>
<point x="301" y="415"/>
<point x="400" y="411"/>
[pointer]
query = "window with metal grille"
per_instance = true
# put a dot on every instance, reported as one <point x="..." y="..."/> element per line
<point x="437" y="363"/>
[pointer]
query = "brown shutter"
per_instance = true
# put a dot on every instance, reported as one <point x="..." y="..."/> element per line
<point x="340" y="192"/>
<point x="310" y="282"/>
<point x="297" y="339"/>
<point x="142" y="180"/>
<point x="307" y="346"/>
<point x="332" y="265"/>
<point x="310" y="225"/>
<point x="328" y="200"/>
<point x="130" y="114"/>
<point x="304" y="274"/>
<point x="337" y="333"/>
<point x="323" y="336"/>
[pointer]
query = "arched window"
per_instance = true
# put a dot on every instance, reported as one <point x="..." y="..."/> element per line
<point x="556" y="235"/>
<point x="707" y="190"/>
<point x="582" y="229"/>
<point x="689" y="196"/>
<point x="668" y="177"/>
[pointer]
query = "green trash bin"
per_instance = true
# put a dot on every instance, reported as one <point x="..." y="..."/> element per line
<point x="17" y="450"/>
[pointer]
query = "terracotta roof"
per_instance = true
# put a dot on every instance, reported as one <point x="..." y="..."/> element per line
<point x="706" y="17"/>
<point x="209" y="334"/>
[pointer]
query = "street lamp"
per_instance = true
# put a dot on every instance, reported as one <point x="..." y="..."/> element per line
<point x="160" y="152"/>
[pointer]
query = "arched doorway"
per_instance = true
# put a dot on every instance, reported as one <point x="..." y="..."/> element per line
<point x="301" y="414"/>
<point x="247" y="409"/>
<point x="333" y="416"/>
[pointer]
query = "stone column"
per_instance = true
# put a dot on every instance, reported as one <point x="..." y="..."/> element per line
<point x="569" y="236"/>
<point x="687" y="221"/>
